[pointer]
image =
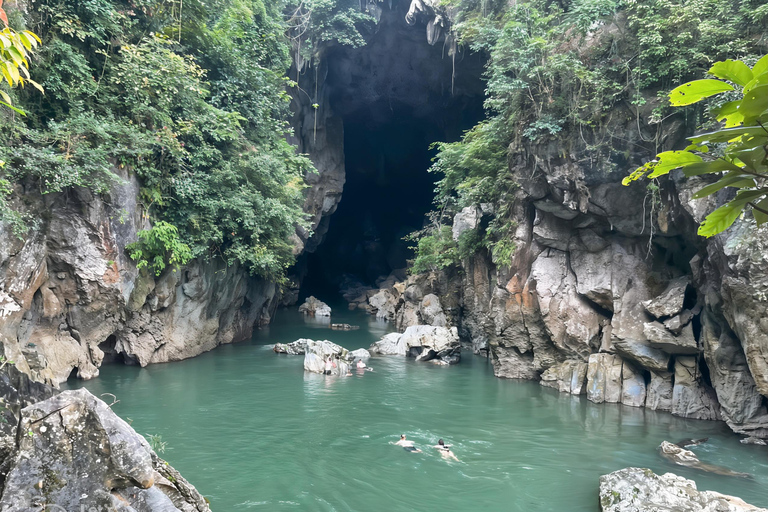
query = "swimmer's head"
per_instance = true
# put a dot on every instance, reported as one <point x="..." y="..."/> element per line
<point x="441" y="442"/>
<point x="402" y="436"/>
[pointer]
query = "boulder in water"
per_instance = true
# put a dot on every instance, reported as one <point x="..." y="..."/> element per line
<point x="360" y="353"/>
<point x="295" y="348"/>
<point x="424" y="342"/>
<point x="315" y="307"/>
<point x="317" y="352"/>
<point x="636" y="489"/>
<point x="390" y="345"/>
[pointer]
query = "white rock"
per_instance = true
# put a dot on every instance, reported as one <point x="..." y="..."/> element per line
<point x="638" y="489"/>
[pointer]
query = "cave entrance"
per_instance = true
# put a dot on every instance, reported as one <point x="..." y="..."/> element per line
<point x="395" y="96"/>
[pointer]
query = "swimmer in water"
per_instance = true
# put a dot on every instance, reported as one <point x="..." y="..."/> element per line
<point x="407" y="445"/>
<point x="445" y="450"/>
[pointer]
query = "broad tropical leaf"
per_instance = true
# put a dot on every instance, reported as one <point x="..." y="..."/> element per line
<point x="690" y="93"/>
<point x="733" y="70"/>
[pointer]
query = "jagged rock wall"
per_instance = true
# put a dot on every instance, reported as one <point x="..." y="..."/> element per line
<point x="595" y="303"/>
<point x="71" y="298"/>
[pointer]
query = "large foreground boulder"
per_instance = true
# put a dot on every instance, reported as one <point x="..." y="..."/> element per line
<point x="75" y="453"/>
<point x="317" y="352"/>
<point x="640" y="490"/>
<point x="424" y="342"/>
<point x="315" y="307"/>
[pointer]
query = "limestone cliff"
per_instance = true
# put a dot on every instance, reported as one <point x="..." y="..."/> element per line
<point x="70" y="297"/>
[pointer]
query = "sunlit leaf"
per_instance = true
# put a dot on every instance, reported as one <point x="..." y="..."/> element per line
<point x="733" y="70"/>
<point x="697" y="90"/>
<point x="761" y="66"/>
<point x="735" y="179"/>
<point x="729" y="113"/>
<point x="710" y="167"/>
<point x="755" y="102"/>
<point x="720" y="219"/>
<point x="728" y="134"/>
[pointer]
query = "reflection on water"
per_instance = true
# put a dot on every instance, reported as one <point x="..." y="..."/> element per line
<point x="253" y="431"/>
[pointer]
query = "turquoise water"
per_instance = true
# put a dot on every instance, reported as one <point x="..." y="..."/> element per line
<point x="253" y="431"/>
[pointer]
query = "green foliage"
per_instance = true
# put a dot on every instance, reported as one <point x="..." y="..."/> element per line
<point x="315" y="23"/>
<point x="191" y="100"/>
<point x="740" y="161"/>
<point x="159" y="247"/>
<point x="16" y="48"/>
<point x="558" y="72"/>
<point x="435" y="251"/>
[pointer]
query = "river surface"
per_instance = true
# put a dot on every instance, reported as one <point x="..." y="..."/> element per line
<point x="252" y="431"/>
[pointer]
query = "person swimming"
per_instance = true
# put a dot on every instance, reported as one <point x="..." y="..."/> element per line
<point x="445" y="450"/>
<point x="407" y="445"/>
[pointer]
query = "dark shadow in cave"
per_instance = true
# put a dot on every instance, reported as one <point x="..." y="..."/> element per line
<point x="396" y="96"/>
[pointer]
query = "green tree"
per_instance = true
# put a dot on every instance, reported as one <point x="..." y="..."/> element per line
<point x="735" y="153"/>
<point x="15" y="51"/>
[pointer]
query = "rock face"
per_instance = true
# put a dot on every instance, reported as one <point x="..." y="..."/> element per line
<point x="424" y="342"/>
<point x="71" y="298"/>
<point x="605" y="297"/>
<point x="635" y="489"/>
<point x="72" y="451"/>
<point x="315" y="307"/>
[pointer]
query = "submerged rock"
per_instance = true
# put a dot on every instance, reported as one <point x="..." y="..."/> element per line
<point x="315" y="307"/>
<point x="638" y="489"/>
<point x="344" y="327"/>
<point x="682" y="457"/>
<point x="76" y="453"/>
<point x="295" y="348"/>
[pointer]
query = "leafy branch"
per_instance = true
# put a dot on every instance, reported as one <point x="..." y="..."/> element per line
<point x="743" y="165"/>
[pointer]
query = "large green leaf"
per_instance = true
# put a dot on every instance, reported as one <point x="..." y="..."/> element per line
<point x="671" y="160"/>
<point x="755" y="102"/>
<point x="761" y="217"/>
<point x="728" y="112"/>
<point x="710" y="167"/>
<point x="733" y="70"/>
<point x="734" y="179"/>
<point x="728" y="134"/>
<point x="752" y="157"/>
<point x="697" y="90"/>
<point x="664" y="163"/>
<point x="720" y="219"/>
<point x="761" y="66"/>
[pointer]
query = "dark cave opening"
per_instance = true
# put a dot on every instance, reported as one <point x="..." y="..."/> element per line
<point x="395" y="96"/>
